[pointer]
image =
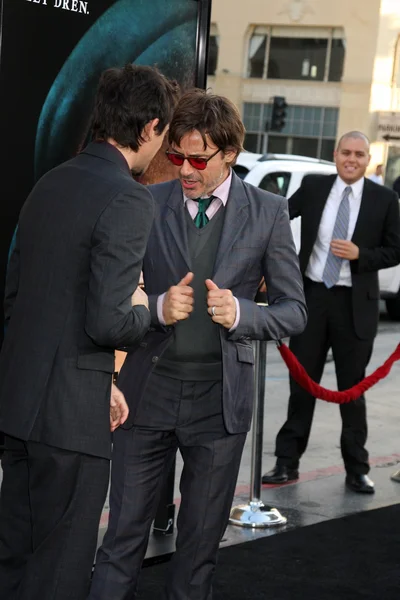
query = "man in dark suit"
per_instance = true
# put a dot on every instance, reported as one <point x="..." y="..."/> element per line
<point x="189" y="385"/>
<point x="349" y="230"/>
<point x="70" y="301"/>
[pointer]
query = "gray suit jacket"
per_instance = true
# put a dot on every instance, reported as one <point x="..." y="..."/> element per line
<point x="256" y="241"/>
<point x="80" y="243"/>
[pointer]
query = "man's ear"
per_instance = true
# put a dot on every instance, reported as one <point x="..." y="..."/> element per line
<point x="230" y="156"/>
<point x="150" y="130"/>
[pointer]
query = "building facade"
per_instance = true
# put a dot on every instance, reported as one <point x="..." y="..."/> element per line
<point x="337" y="64"/>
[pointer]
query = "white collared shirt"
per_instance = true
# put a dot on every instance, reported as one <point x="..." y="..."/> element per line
<point x="319" y="254"/>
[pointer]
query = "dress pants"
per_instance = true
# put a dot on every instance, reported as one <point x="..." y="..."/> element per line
<point x="330" y="325"/>
<point x="173" y="414"/>
<point x="50" y="507"/>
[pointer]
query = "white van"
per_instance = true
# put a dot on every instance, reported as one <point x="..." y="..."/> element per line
<point x="282" y="174"/>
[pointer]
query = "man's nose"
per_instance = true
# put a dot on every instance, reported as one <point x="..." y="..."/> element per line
<point x="186" y="168"/>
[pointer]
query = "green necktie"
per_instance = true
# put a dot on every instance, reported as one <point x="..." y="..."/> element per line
<point x="201" y="218"/>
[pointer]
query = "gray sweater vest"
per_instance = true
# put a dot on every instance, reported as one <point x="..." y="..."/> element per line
<point x="195" y="352"/>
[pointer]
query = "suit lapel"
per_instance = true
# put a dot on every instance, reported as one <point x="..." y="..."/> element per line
<point x="176" y="222"/>
<point x="366" y="208"/>
<point x="236" y="215"/>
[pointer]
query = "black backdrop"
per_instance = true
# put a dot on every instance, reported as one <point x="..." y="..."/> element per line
<point x="51" y="55"/>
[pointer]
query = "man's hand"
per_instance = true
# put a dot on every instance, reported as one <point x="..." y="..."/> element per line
<point x="139" y="297"/>
<point x="119" y="410"/>
<point x="178" y="301"/>
<point x="345" y="249"/>
<point x="222" y="303"/>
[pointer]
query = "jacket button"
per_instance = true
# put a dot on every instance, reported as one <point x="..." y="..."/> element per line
<point x="154" y="359"/>
<point x="143" y="344"/>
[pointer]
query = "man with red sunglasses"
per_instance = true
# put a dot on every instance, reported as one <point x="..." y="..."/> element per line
<point x="190" y="383"/>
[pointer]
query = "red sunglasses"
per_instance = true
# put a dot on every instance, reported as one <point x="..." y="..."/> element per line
<point x="196" y="163"/>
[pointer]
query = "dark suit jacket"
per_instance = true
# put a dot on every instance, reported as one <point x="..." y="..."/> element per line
<point x="256" y="241"/>
<point x="80" y="243"/>
<point x="377" y="234"/>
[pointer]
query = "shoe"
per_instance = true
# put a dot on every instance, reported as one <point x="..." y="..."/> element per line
<point x="280" y="474"/>
<point x="396" y="476"/>
<point x="361" y="484"/>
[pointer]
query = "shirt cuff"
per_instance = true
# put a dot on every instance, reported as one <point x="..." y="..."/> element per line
<point x="160" y="302"/>
<point x="236" y="323"/>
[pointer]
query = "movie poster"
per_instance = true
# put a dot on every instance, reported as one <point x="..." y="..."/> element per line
<point x="51" y="56"/>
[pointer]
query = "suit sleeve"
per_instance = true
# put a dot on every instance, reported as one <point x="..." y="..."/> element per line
<point x="388" y="253"/>
<point x="154" y="300"/>
<point x="296" y="200"/>
<point x="12" y="277"/>
<point x="286" y="313"/>
<point x="118" y="246"/>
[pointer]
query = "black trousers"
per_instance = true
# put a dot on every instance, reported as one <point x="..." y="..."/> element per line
<point x="174" y="414"/>
<point x="50" y="507"/>
<point x="330" y="325"/>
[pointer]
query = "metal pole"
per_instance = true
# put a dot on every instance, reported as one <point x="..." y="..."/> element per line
<point x="165" y="517"/>
<point x="255" y="514"/>
<point x="265" y="143"/>
<point x="258" y="426"/>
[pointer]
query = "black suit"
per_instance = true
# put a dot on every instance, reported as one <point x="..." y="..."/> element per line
<point x="80" y="242"/>
<point x="343" y="318"/>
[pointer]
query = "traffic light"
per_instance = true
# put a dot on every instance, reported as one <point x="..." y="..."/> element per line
<point x="278" y="116"/>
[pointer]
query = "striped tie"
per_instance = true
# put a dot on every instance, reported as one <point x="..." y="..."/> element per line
<point x="333" y="263"/>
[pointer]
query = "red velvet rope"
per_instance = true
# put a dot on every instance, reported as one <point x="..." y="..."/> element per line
<point x="300" y="375"/>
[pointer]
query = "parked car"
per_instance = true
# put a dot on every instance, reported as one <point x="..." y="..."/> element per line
<point x="245" y="162"/>
<point x="282" y="174"/>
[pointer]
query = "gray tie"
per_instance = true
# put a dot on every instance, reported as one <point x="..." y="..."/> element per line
<point x="333" y="263"/>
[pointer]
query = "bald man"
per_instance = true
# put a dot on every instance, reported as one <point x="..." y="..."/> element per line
<point x="349" y="230"/>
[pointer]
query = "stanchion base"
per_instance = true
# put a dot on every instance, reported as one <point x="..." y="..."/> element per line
<point x="256" y="515"/>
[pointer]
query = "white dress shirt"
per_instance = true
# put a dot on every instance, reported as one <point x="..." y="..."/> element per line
<point x="319" y="254"/>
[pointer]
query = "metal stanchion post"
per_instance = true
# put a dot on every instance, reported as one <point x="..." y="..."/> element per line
<point x="164" y="519"/>
<point x="255" y="513"/>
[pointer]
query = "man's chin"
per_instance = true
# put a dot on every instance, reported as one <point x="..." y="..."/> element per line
<point x="191" y="192"/>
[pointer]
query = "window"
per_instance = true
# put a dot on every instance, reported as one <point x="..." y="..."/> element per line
<point x="213" y="44"/>
<point x="251" y="143"/>
<point x="277" y="144"/>
<point x="305" y="146"/>
<point x="297" y="58"/>
<point x="327" y="149"/>
<point x="309" y="130"/>
<point x="300" y="53"/>
<point x="277" y="183"/>
<point x="258" y="44"/>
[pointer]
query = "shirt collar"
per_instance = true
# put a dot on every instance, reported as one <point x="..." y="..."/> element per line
<point x="221" y="192"/>
<point x="356" y="187"/>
